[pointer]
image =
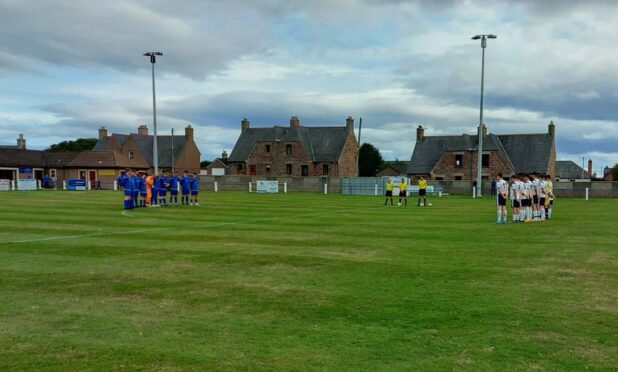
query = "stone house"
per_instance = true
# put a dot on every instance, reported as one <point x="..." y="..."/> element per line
<point x="456" y="157"/>
<point x="178" y="152"/>
<point x="295" y="150"/>
<point x="219" y="166"/>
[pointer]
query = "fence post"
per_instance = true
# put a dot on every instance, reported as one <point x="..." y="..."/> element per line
<point x="38" y="184"/>
<point x="115" y="185"/>
<point x="375" y="190"/>
<point x="13" y="185"/>
<point x="587" y="193"/>
<point x="439" y="194"/>
<point x="285" y="187"/>
<point x="216" y="187"/>
<point x="325" y="188"/>
<point x="64" y="185"/>
<point x="250" y="188"/>
<point x="88" y="184"/>
<point x="473" y="192"/>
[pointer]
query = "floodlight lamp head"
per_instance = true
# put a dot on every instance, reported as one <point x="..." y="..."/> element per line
<point x="491" y="36"/>
<point x="160" y="54"/>
<point x="476" y="37"/>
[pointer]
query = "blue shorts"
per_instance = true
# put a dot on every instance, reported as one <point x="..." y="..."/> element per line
<point x="143" y="194"/>
<point x="128" y="192"/>
<point x="193" y="192"/>
<point x="162" y="192"/>
<point x="174" y="192"/>
<point x="185" y="191"/>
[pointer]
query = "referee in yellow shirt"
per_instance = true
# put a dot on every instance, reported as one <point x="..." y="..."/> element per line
<point x="422" y="191"/>
<point x="389" y="191"/>
<point x="403" y="191"/>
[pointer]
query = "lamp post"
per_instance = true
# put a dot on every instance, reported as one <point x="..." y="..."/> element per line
<point x="155" y="153"/>
<point x="483" y="39"/>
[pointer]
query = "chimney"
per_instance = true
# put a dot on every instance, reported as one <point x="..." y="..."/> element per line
<point x="590" y="168"/>
<point x="188" y="133"/>
<point x="21" y="142"/>
<point x="294" y="122"/>
<point x="102" y="132"/>
<point x="420" y="133"/>
<point x="551" y="130"/>
<point x="142" y="130"/>
<point x="349" y="123"/>
<point x="484" y="131"/>
<point x="224" y="155"/>
<point x="244" y="125"/>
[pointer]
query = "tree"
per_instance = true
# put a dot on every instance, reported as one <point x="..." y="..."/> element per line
<point x="369" y="160"/>
<point x="79" y="144"/>
<point x="205" y="163"/>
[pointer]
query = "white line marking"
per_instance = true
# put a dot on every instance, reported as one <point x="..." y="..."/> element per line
<point x="206" y="225"/>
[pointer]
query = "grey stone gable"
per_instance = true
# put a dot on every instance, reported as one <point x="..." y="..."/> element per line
<point x="144" y="143"/>
<point x="567" y="169"/>
<point x="322" y="144"/>
<point x="525" y="153"/>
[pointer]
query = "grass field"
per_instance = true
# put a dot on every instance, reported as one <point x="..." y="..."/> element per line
<point x="304" y="281"/>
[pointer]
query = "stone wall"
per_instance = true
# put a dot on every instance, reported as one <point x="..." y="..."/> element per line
<point x="447" y="168"/>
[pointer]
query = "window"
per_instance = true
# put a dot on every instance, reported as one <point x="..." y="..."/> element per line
<point x="267" y="168"/>
<point x="288" y="149"/>
<point x="325" y="169"/>
<point x="484" y="178"/>
<point x="130" y="154"/>
<point x="439" y="178"/>
<point x="52" y="173"/>
<point x="288" y="169"/>
<point x="459" y="160"/>
<point x="267" y="148"/>
<point x="304" y="170"/>
<point x="458" y="178"/>
<point x="239" y="168"/>
<point x="485" y="160"/>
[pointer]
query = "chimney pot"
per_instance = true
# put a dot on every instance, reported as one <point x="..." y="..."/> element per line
<point x="349" y="123"/>
<point x="590" y="168"/>
<point x="102" y="132"/>
<point x="21" y="142"/>
<point x="420" y="133"/>
<point x="188" y="132"/>
<point x="244" y="125"/>
<point x="294" y="122"/>
<point x="551" y="130"/>
<point x="142" y="130"/>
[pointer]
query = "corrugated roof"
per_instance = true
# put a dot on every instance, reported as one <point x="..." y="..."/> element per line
<point x="321" y="143"/>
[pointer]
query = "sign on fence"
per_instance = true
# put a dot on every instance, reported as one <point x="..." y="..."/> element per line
<point x="25" y="170"/>
<point x="268" y="186"/>
<point x="26" y="184"/>
<point x="76" y="184"/>
<point x="5" y="185"/>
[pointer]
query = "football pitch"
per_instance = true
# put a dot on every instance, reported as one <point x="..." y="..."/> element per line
<point x="304" y="281"/>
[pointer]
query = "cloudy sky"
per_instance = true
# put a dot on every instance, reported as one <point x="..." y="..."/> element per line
<point x="68" y="67"/>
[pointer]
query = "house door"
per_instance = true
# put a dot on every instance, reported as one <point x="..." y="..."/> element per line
<point x="82" y="174"/>
<point x="252" y="170"/>
<point x="92" y="177"/>
<point x="38" y="174"/>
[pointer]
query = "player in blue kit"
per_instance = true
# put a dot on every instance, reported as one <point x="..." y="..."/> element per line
<point x="195" y="186"/>
<point x="173" y="181"/>
<point x="154" y="198"/>
<point x="142" y="189"/>
<point x="185" y="185"/>
<point x="162" y="186"/>
<point x="134" y="179"/>
<point x="125" y="182"/>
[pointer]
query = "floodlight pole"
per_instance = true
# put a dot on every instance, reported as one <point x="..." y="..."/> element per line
<point x="155" y="152"/>
<point x="479" y="170"/>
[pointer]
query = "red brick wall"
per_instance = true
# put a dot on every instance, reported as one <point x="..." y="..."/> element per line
<point x="348" y="164"/>
<point x="446" y="165"/>
<point x="276" y="158"/>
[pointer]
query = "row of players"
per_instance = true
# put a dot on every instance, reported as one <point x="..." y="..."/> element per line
<point x="532" y="198"/>
<point x="144" y="190"/>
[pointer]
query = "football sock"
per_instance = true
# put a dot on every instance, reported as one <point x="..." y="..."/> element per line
<point x="504" y="215"/>
<point x="498" y="216"/>
<point x="549" y="212"/>
<point x="406" y="200"/>
<point x="542" y="213"/>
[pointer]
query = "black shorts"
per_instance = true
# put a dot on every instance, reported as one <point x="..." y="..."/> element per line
<point x="542" y="201"/>
<point x="422" y="192"/>
<point x="551" y="201"/>
<point x="515" y="203"/>
<point x="403" y="194"/>
<point x="525" y="202"/>
<point x="501" y="201"/>
<point x="389" y="193"/>
<point x="535" y="199"/>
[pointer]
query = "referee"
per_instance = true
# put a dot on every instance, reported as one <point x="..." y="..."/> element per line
<point x="422" y="191"/>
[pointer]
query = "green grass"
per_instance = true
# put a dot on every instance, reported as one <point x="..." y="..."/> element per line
<point x="304" y="281"/>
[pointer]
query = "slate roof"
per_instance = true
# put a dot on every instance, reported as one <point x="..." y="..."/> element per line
<point x="144" y="142"/>
<point x="525" y="153"/>
<point x="566" y="169"/>
<point x="66" y="159"/>
<point x="321" y="143"/>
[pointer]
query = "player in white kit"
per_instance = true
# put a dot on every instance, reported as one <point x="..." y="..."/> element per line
<point x="515" y="198"/>
<point x="502" y="189"/>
